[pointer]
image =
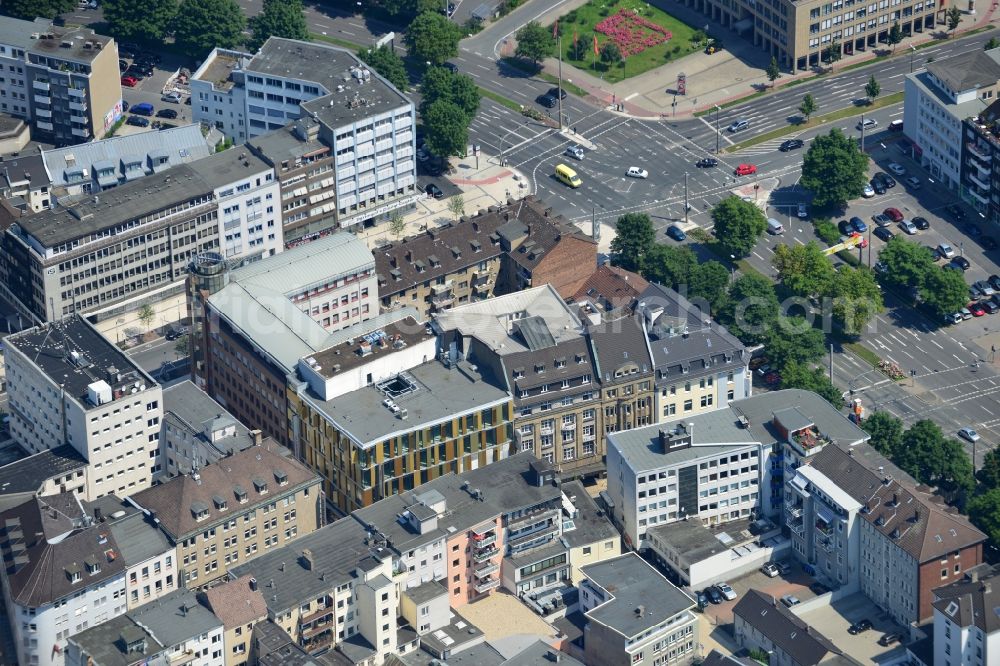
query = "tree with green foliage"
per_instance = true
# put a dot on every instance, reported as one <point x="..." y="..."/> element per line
<point x="278" y="18"/>
<point x="201" y="25"/>
<point x="139" y="21"/>
<point x="931" y="458"/>
<point x="440" y="83"/>
<point x="808" y="106"/>
<point x="833" y="52"/>
<point x="386" y="62"/>
<point x="31" y="9"/>
<point x="804" y="270"/>
<point x="872" y="89"/>
<point x="433" y="38"/>
<point x="944" y="291"/>
<point x="793" y="339"/>
<point x="709" y="280"/>
<point x="989" y="474"/>
<point x="182" y="347"/>
<point x="634" y="238"/>
<point x="954" y="17"/>
<point x="738" y="225"/>
<point x="406" y="8"/>
<point x="801" y="376"/>
<point x="773" y="72"/>
<point x="456" y="206"/>
<point x="534" y="42"/>
<point x="751" y="308"/>
<point x="857" y="298"/>
<point x="834" y="169"/>
<point x="991" y="44"/>
<point x="895" y="36"/>
<point x="984" y="512"/>
<point x="886" y="433"/>
<point x="907" y="264"/>
<point x="611" y="54"/>
<point x="146" y="315"/>
<point x="669" y="265"/>
<point x="447" y="129"/>
<point x="397" y="224"/>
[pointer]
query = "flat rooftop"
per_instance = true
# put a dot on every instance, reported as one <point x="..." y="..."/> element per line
<point x="429" y="393"/>
<point x="72" y="353"/>
<point x="367" y="347"/>
<point x="66" y="42"/>
<point x="219" y="67"/>
<point x="287" y="144"/>
<point x="28" y="474"/>
<point x="590" y="524"/>
<point x="694" y="542"/>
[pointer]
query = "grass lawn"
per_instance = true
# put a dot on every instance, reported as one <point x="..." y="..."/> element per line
<point x="581" y="22"/>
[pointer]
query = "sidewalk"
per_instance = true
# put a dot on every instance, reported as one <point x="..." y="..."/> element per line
<point x="490" y="185"/>
<point x="724" y="77"/>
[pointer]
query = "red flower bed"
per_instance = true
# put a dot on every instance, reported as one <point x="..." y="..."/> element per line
<point x="632" y="33"/>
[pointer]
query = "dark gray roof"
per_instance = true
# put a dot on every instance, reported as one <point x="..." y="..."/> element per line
<point x="694" y="542"/>
<point x="633" y="584"/>
<point x="175" y="618"/>
<point x="51" y="348"/>
<point x="425" y="592"/>
<point x="620" y="343"/>
<point x="25" y="167"/>
<point x="912" y="519"/>
<point x="187" y="407"/>
<point x="716" y="658"/>
<point x="337" y="548"/>
<point x="272" y="646"/>
<point x="922" y="650"/>
<point x="139" y="539"/>
<point x="287" y="143"/>
<point x="534" y="232"/>
<point x="972" y="601"/>
<point x="483" y="654"/>
<point x="590" y="524"/>
<point x="506" y="486"/>
<point x="17" y="32"/>
<point x="105" y="645"/>
<point x="975" y="69"/>
<point x="541" y="653"/>
<point x="28" y="474"/>
<point x="803" y="644"/>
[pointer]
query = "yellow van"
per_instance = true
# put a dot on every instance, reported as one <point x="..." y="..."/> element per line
<point x="568" y="176"/>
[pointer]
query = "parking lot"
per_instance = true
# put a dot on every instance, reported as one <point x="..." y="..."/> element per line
<point x="833" y="620"/>
<point x="795" y="583"/>
<point x="150" y="90"/>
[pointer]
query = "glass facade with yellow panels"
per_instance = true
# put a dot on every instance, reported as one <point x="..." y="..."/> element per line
<point x="354" y="476"/>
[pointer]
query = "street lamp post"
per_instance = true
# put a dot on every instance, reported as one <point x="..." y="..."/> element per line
<point x="913" y="52"/>
<point x="732" y="267"/>
<point x="718" y="135"/>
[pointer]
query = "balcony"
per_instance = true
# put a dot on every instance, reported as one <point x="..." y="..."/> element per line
<point x="486" y="569"/>
<point x="797" y="526"/>
<point x="180" y="658"/>
<point x="824" y="528"/>
<point x="43" y="113"/>
<point x="438" y="289"/>
<point x="41" y="85"/>
<point x="486" y="541"/>
<point x="488" y="527"/>
<point x="313" y="632"/>
<point x="519" y="539"/>
<point x="794" y="512"/>
<point x="826" y="544"/>
<point x="43" y="99"/>
<point x="979" y="151"/>
<point x="442" y="301"/>
<point x="984" y="185"/>
<point x="322" y="612"/>
<point x="487" y="585"/>
<point x="81" y="132"/>
<point x="77" y="92"/>
<point x="45" y="126"/>
<point x="483" y="555"/>
<point x="977" y="196"/>
<point x="78" y="106"/>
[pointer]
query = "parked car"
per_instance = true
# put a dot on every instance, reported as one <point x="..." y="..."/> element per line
<point x="772" y="378"/>
<point x="707" y="163"/>
<point x="859" y="627"/>
<point x="758" y="361"/>
<point x="434" y="191"/>
<point x="984" y="287"/>
<point x="858" y="225"/>
<point x="129" y="81"/>
<point x="845" y="227"/>
<point x="991" y="306"/>
<point x="713" y="595"/>
<point x="769" y="570"/>
<point x="896" y="168"/>
<point x="921" y="223"/>
<point x="966" y="313"/>
<point x="791" y="144"/>
<point x="143" y="109"/>
<point x="166" y="113"/>
<point x="877" y="185"/>
<point x="451" y="67"/>
<point x="738" y="125"/>
<point x="802" y="212"/>
<point x="702" y="599"/>
<point x="889" y="638"/>
<point x="885" y="179"/>
<point x="137" y="121"/>
<point x="913" y="182"/>
<point x="726" y="591"/>
<point x="675" y="232"/>
<point x="968" y="434"/>
<point x="908" y="227"/>
<point x="636" y="172"/>
<point x="893" y="214"/>
<point x="961" y="262"/>
<point x="172" y="97"/>
<point x="790" y="600"/>
<point x="945" y="250"/>
<point x="746" y="169"/>
<point x="176" y="332"/>
<point x="994" y="281"/>
<point x="956" y="212"/>
<point x="881" y="220"/>
<point x="868" y="192"/>
<point x="953" y="318"/>
<point x="977" y="309"/>
<point x="884" y="234"/>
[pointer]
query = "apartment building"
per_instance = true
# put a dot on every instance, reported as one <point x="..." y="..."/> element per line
<point x="68" y="385"/>
<point x="62" y="573"/>
<point x="377" y="412"/>
<point x="635" y="615"/>
<point x="625" y="364"/>
<point x="173" y="630"/>
<point x="533" y="342"/>
<point x="266" y="315"/>
<point x="110" y="253"/>
<point x="798" y="34"/>
<point x="231" y="511"/>
<point x="937" y="100"/>
<point x="966" y="626"/>
<point x="761" y="623"/>
<point x="91" y="168"/>
<point x="699" y="365"/>
<point x="542" y="248"/>
<point x="905" y="542"/>
<point x="476" y="531"/>
<point x="332" y="589"/>
<point x="25" y="184"/>
<point x="240" y="607"/>
<point x="150" y="558"/>
<point x="368" y="124"/>
<point x="64" y="80"/>
<point x="980" y="147"/>
<point x="608" y="291"/>
<point x="587" y="531"/>
<point x="453" y="264"/>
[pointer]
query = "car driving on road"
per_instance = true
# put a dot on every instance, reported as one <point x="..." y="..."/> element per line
<point x="738" y="125"/>
<point x="746" y="169"/>
<point x="791" y="144"/>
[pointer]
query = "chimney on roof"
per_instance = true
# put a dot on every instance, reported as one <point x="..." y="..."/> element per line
<point x="257" y="436"/>
<point x="307" y="559"/>
<point x="639" y="610"/>
<point x="253" y="584"/>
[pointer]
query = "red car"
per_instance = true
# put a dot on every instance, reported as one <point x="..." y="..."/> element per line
<point x="746" y="169"/>
<point x="130" y="81"/>
<point x="976" y="309"/>
<point x="864" y="241"/>
<point x="772" y="378"/>
<point x="893" y="214"/>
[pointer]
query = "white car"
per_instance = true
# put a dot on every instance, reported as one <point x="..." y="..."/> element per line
<point x="913" y="182"/>
<point x="868" y="192"/>
<point x="908" y="227"/>
<point x="803" y="211"/>
<point x="727" y="592"/>
<point x="636" y="172"/>
<point x="174" y="97"/>
<point x="964" y="433"/>
<point x="770" y="570"/>
<point x="869" y="123"/>
<point x="946" y="250"/>
<point x="896" y="168"/>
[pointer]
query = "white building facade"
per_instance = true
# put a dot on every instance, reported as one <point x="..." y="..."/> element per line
<point x="249" y="214"/>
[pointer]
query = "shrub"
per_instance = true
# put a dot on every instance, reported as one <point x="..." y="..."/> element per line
<point x="827" y="231"/>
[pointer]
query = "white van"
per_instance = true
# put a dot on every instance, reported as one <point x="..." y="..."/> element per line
<point x="774" y="227"/>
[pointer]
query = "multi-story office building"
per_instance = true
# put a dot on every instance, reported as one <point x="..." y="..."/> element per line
<point x="535" y="344"/>
<point x="173" y="630"/>
<point x="376" y="412"/>
<point x="635" y="615"/>
<point x="62" y="573"/>
<point x="109" y="253"/>
<point x="93" y="167"/>
<point x="966" y="624"/>
<point x="444" y="266"/>
<point x="65" y="80"/>
<point x="239" y="604"/>
<point x="367" y="123"/>
<point x="938" y="99"/>
<point x="267" y="315"/>
<point x="699" y="365"/>
<point x="231" y="511"/>
<point x="67" y="384"/>
<point x="798" y="34"/>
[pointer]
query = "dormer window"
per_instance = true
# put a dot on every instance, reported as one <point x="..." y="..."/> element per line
<point x="539" y="367"/>
<point x="560" y="363"/>
<point x="260" y="485"/>
<point x="199" y="510"/>
<point x="220" y="502"/>
<point x="240" y="493"/>
<point x="281" y="477"/>
<point x="518" y="373"/>
<point x="75" y="573"/>
<point x="93" y="565"/>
